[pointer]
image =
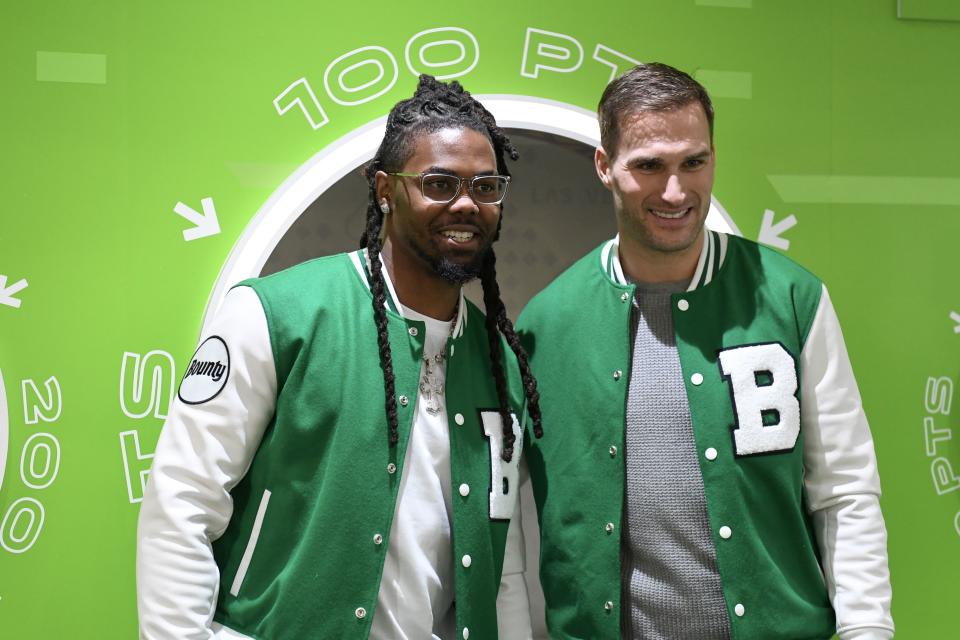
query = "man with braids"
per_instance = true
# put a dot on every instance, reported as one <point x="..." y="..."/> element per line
<point x="342" y="459"/>
<point x="709" y="472"/>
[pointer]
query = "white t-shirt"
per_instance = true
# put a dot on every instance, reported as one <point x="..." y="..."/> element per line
<point x="418" y="574"/>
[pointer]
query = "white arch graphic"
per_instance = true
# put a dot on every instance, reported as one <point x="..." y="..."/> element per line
<point x="333" y="162"/>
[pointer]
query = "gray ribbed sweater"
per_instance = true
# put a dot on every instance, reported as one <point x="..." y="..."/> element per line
<point x="671" y="586"/>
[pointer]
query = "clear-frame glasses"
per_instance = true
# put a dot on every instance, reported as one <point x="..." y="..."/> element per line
<point x="443" y="187"/>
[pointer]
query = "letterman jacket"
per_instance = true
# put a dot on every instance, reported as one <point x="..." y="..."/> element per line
<point x="285" y="467"/>
<point x="785" y="452"/>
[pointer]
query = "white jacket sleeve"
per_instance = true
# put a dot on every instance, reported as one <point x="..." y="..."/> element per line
<point x="513" y="604"/>
<point x="842" y="484"/>
<point x="203" y="451"/>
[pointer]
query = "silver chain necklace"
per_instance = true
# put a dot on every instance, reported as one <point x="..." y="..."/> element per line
<point x="432" y="379"/>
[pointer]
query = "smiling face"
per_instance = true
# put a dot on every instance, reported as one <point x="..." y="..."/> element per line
<point x="440" y="240"/>
<point x="661" y="177"/>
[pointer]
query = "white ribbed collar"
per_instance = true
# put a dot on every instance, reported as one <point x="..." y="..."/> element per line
<point x="361" y="261"/>
<point x="712" y="255"/>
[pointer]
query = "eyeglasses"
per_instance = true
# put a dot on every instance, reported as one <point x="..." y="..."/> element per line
<point x="443" y="188"/>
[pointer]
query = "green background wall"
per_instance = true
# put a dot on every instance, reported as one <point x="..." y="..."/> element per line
<point x="837" y="116"/>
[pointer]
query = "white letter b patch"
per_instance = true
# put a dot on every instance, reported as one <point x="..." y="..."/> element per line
<point x="504" y="484"/>
<point x="763" y="378"/>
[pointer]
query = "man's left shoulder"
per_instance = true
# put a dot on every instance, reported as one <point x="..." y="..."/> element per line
<point x="476" y="328"/>
<point x="770" y="265"/>
<point x="763" y="276"/>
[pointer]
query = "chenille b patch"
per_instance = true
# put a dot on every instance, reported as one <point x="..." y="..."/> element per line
<point x="504" y="482"/>
<point x="208" y="372"/>
<point x="763" y="381"/>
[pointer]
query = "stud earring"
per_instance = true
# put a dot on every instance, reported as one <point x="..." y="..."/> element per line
<point x="384" y="206"/>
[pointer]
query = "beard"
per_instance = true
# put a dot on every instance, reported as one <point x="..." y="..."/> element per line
<point x="455" y="272"/>
<point x="452" y="265"/>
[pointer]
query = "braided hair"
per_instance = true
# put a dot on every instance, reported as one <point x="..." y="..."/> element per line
<point x="434" y="106"/>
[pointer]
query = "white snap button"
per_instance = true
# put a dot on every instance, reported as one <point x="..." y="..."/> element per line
<point x="624" y="297"/>
<point x="466" y="633"/>
<point x="617" y="374"/>
<point x="458" y="418"/>
<point x="682" y="304"/>
<point x="697" y="378"/>
<point x="725" y="532"/>
<point x="466" y="560"/>
<point x="391" y="468"/>
<point x="361" y="613"/>
<point x="413" y="331"/>
<point x="739" y="610"/>
<point x="608" y="605"/>
<point x="710" y="453"/>
<point x="377" y="539"/>
<point x="404" y="401"/>
<point x="609" y="528"/>
<point x="613" y="451"/>
<point x="464" y="490"/>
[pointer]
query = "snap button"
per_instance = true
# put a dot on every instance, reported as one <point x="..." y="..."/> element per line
<point x="608" y="605"/>
<point x="710" y="453"/>
<point x="413" y="331"/>
<point x="617" y="374"/>
<point x="697" y="379"/>
<point x="466" y="560"/>
<point x="361" y="613"/>
<point x="613" y="451"/>
<point x="458" y="418"/>
<point x="377" y="539"/>
<point x="466" y="633"/>
<point x="725" y="532"/>
<point x="404" y="401"/>
<point x="624" y="297"/>
<point x="609" y="527"/>
<point x="464" y="489"/>
<point x="739" y="610"/>
<point x="682" y="304"/>
<point x="391" y="468"/>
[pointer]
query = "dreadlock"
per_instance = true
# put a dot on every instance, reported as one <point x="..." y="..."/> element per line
<point x="436" y="106"/>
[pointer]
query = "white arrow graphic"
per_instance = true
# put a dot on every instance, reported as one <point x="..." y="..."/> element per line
<point x="7" y="293"/>
<point x="206" y="222"/>
<point x="770" y="232"/>
<point x="956" y="318"/>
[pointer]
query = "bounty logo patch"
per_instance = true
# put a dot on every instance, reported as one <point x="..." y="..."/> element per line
<point x="208" y="372"/>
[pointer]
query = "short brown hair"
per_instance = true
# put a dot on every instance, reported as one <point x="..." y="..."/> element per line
<point x="647" y="87"/>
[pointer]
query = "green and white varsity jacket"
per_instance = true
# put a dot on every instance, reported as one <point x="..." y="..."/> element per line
<point x="785" y="452"/>
<point x="276" y="452"/>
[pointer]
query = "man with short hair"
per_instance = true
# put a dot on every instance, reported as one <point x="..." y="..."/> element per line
<point x="328" y="472"/>
<point x="709" y="472"/>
